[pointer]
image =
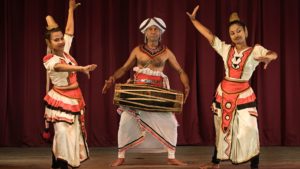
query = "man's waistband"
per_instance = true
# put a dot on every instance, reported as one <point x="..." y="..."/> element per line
<point x="141" y="78"/>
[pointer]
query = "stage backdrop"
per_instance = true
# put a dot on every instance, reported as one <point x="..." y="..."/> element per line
<point x="105" y="33"/>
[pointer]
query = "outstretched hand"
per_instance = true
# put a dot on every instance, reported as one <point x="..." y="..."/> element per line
<point x="265" y="59"/>
<point x="193" y="15"/>
<point x="108" y="84"/>
<point x="86" y="69"/>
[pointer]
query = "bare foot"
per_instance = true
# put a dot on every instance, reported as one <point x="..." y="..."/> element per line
<point x="117" y="162"/>
<point x="209" y="166"/>
<point x="176" y="162"/>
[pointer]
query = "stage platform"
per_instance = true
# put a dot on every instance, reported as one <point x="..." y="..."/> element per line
<point x="40" y="158"/>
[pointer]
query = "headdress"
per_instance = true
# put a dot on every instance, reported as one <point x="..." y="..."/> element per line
<point x="234" y="17"/>
<point x="51" y="24"/>
<point x="153" y="21"/>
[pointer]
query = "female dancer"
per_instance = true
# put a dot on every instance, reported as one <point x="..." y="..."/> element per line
<point x="234" y="106"/>
<point x="64" y="102"/>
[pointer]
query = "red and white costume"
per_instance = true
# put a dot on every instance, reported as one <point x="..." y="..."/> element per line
<point x="65" y="109"/>
<point x="234" y="107"/>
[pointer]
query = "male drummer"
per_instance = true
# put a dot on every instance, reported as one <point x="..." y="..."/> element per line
<point x="147" y="131"/>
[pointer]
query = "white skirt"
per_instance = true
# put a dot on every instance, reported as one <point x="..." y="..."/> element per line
<point x="241" y="141"/>
<point x="69" y="144"/>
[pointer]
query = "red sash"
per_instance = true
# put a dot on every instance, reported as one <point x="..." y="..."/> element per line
<point x="231" y="91"/>
<point x="141" y="78"/>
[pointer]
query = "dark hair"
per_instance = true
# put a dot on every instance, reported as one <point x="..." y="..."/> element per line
<point x="238" y="22"/>
<point x="48" y="32"/>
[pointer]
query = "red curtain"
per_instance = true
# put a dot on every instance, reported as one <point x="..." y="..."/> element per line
<point x="105" y="33"/>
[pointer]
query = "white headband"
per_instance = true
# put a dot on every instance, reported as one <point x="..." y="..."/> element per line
<point x="153" y="21"/>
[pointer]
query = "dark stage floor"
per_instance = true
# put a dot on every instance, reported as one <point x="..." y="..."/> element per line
<point x="40" y="158"/>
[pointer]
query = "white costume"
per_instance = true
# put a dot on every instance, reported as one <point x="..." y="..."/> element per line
<point x="237" y="137"/>
<point x="65" y="109"/>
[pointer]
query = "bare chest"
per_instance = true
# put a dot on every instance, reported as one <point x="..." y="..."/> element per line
<point x="156" y="62"/>
<point x="152" y="59"/>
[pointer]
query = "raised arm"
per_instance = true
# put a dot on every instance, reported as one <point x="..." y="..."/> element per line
<point x="183" y="76"/>
<point x="70" y="22"/>
<point x="201" y="28"/>
<point x="120" y="72"/>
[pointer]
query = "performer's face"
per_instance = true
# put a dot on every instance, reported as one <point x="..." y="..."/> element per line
<point x="57" y="42"/>
<point x="237" y="34"/>
<point x="153" y="33"/>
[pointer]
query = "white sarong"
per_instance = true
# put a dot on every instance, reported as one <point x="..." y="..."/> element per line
<point x="147" y="132"/>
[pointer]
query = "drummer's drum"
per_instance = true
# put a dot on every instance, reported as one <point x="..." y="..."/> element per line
<point x="148" y="98"/>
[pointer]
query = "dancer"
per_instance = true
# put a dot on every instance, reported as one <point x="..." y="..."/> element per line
<point x="64" y="102"/>
<point x="234" y="105"/>
<point x="147" y="130"/>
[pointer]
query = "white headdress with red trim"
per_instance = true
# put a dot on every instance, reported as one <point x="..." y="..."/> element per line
<point x="153" y="21"/>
